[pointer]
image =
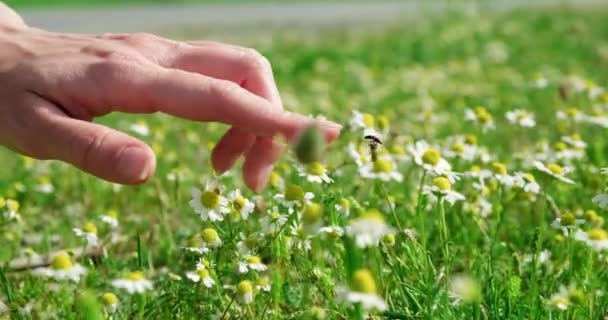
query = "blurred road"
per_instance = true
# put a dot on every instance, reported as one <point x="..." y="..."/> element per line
<point x="152" y="18"/>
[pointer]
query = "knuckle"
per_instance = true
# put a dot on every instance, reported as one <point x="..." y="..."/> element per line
<point x="139" y="39"/>
<point x="87" y="151"/>
<point x="255" y="61"/>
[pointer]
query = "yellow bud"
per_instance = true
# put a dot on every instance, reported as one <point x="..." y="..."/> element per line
<point x="363" y="282"/>
<point x="61" y="261"/>
<point x="109" y="299"/>
<point x="210" y="199"/>
<point x="431" y="156"/>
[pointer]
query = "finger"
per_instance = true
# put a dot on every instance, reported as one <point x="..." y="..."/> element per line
<point x="98" y="150"/>
<point x="115" y="85"/>
<point x="259" y="162"/>
<point x="230" y="147"/>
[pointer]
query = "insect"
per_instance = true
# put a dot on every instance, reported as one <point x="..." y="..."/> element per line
<point x="373" y="141"/>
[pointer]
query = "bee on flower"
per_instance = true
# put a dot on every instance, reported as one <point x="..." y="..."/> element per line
<point x="62" y="268"/>
<point x="89" y="233"/>
<point x="201" y="275"/>
<point x="441" y="189"/>
<point x="362" y="290"/>
<point x="521" y="118"/>
<point x="481" y="116"/>
<point x="251" y="263"/>
<point x="241" y="205"/>
<point x="554" y="170"/>
<point x="368" y="229"/>
<point x="315" y="172"/>
<point x="209" y="203"/>
<point x="133" y="282"/>
<point x="595" y="238"/>
<point x="294" y="196"/>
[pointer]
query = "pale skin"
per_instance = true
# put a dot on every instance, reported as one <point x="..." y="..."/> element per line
<point x="53" y="85"/>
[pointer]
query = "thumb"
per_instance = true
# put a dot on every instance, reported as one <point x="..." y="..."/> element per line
<point x="103" y="152"/>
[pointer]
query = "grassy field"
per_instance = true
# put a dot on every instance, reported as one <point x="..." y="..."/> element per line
<point x="478" y="204"/>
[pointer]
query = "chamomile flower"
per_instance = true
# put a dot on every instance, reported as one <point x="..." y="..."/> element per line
<point x="554" y="170"/>
<point x="141" y="128"/>
<point x="566" y="222"/>
<point x="368" y="229"/>
<point x="560" y="300"/>
<point x="430" y="159"/>
<point x="461" y="147"/>
<point x="465" y="289"/>
<point x="571" y="114"/>
<point x="209" y="203"/>
<point x="262" y="284"/>
<point x="251" y="263"/>
<point x="133" y="282"/>
<point x="201" y="275"/>
<point x="574" y="141"/>
<point x="110" y="218"/>
<point x="526" y="182"/>
<point x="245" y="292"/>
<point x="62" y="268"/>
<point x="500" y="173"/>
<point x="539" y="81"/>
<point x="343" y="206"/>
<point x="595" y="238"/>
<point x="195" y="244"/>
<point x="442" y="189"/>
<point x="294" y="196"/>
<point x="312" y="217"/>
<point x="300" y="239"/>
<point x="331" y="232"/>
<point x="521" y="118"/>
<point x="315" y="172"/>
<point x="362" y="290"/>
<point x="89" y="233"/>
<point x="10" y="208"/>
<point x="481" y="116"/>
<point x="44" y="185"/>
<point x="601" y="200"/>
<point x="273" y="221"/>
<point x="210" y="238"/>
<point x="383" y="169"/>
<point x="110" y="302"/>
<point x="240" y="204"/>
<point x="362" y="121"/>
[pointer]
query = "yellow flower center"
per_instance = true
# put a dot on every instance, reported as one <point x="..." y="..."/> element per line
<point x="383" y="166"/>
<point x="12" y="205"/>
<point x="576" y="137"/>
<point x="442" y="183"/>
<point x="597" y="234"/>
<point x="312" y="213"/>
<point x="239" y="203"/>
<point x="209" y="235"/>
<point x="475" y="168"/>
<point x="294" y="193"/>
<point x="203" y="273"/>
<point x="383" y="122"/>
<point x="431" y="156"/>
<point x="560" y="146"/>
<point x="61" y="261"/>
<point x="559" y="301"/>
<point x="521" y="116"/>
<point x="499" y="168"/>
<point x="135" y="276"/>
<point x="262" y="281"/>
<point x="368" y="120"/>
<point x="389" y="239"/>
<point x="244" y="287"/>
<point x="458" y="147"/>
<point x="315" y="168"/>
<point x="363" y="281"/>
<point x="254" y="260"/>
<point x="90" y="228"/>
<point x="567" y="219"/>
<point x="483" y="115"/>
<point x="399" y="150"/>
<point x="109" y="298"/>
<point x="373" y="215"/>
<point x="194" y="242"/>
<point x="556" y="169"/>
<point x="112" y="214"/>
<point x="274" y="179"/>
<point x="210" y="199"/>
<point x="470" y="139"/>
<point x="529" y="177"/>
<point x="571" y="112"/>
<point x="344" y="203"/>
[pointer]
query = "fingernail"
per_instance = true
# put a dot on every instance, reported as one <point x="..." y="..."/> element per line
<point x="135" y="164"/>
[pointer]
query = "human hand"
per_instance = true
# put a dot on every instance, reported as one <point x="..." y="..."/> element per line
<point x="53" y="85"/>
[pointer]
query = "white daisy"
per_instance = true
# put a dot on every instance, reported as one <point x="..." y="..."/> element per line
<point x="566" y="222"/>
<point x="361" y="120"/>
<point x="315" y="172"/>
<point x="526" y="182"/>
<point x="560" y="300"/>
<point x="442" y="189"/>
<point x="595" y="238"/>
<point x="110" y="302"/>
<point x="481" y="116"/>
<point x="294" y="195"/>
<point x="201" y="275"/>
<point x="331" y="232"/>
<point x="133" y="282"/>
<point x="430" y="159"/>
<point x="263" y="284"/>
<point x="368" y="229"/>
<point x="251" y="263"/>
<point x="521" y="118"/>
<point x="110" y="218"/>
<point x="554" y="170"/>
<point x="209" y="203"/>
<point x="362" y="290"/>
<point x="141" y="128"/>
<point x="89" y="233"/>
<point x="383" y="169"/>
<point x="245" y="292"/>
<point x="240" y="204"/>
<point x="61" y="268"/>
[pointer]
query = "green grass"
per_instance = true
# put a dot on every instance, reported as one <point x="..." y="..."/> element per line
<point x="419" y="78"/>
<point x="20" y="4"/>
